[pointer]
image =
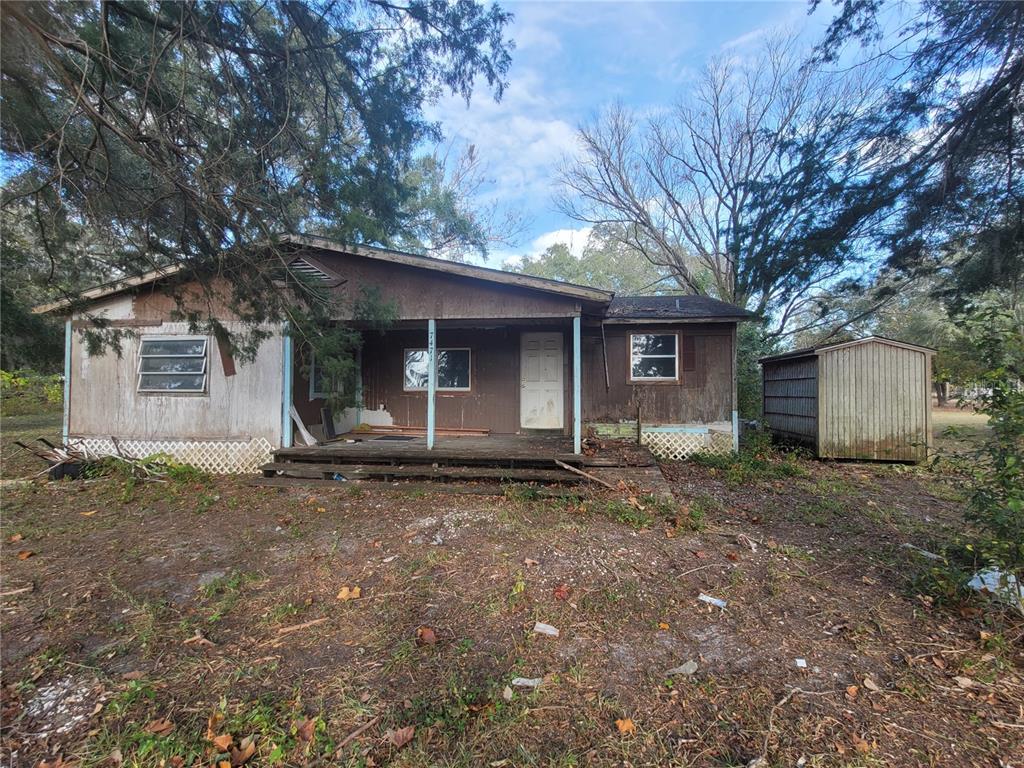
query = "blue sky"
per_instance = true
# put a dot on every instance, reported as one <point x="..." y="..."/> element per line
<point x="574" y="58"/>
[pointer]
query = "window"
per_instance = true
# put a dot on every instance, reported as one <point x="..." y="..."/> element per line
<point x="653" y="356"/>
<point x="452" y="369"/>
<point x="172" y="364"/>
<point x="317" y="386"/>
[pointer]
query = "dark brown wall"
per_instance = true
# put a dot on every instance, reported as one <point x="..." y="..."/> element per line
<point x="422" y="293"/>
<point x="700" y="396"/>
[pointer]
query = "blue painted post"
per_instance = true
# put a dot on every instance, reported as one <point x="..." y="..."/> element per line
<point x="66" y="432"/>
<point x="577" y="388"/>
<point x="735" y="432"/>
<point x="431" y="379"/>
<point x="286" y="391"/>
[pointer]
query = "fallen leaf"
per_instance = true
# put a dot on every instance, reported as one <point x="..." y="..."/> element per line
<point x="15" y="537"/>
<point x="625" y="726"/>
<point x="133" y="675"/>
<point x="939" y="662"/>
<point x="426" y="636"/>
<point x="402" y="736"/>
<point x="561" y="592"/>
<point x="224" y="764"/>
<point x="115" y="756"/>
<point x="321" y="510"/>
<point x="223" y="742"/>
<point x="177" y="761"/>
<point x="305" y="730"/>
<point x="964" y="682"/>
<point x="732" y="556"/>
<point x="861" y="746"/>
<point x="871" y="685"/>
<point x="662" y="625"/>
<point x="160" y="727"/>
<point x="25" y="554"/>
<point x="90" y="513"/>
<point x="530" y="561"/>
<point x="244" y="751"/>
<point x="852" y="691"/>
<point x="350" y="593"/>
<point x="213" y="725"/>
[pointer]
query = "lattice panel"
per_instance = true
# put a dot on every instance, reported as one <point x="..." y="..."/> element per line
<point x="219" y="457"/>
<point x="678" y="445"/>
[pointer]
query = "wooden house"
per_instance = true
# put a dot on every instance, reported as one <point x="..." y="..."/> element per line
<point x="863" y="399"/>
<point x="472" y="349"/>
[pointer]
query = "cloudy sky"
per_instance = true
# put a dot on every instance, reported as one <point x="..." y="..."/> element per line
<point x="574" y="58"/>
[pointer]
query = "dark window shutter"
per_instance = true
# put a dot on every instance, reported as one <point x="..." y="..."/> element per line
<point x="689" y="347"/>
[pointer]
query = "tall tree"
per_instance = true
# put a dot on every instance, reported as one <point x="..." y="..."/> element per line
<point x="195" y="133"/>
<point x="946" y="146"/>
<point x="748" y="180"/>
<point x="606" y="262"/>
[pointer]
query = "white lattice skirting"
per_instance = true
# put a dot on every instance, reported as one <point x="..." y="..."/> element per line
<point x="219" y="457"/>
<point x="679" y="445"/>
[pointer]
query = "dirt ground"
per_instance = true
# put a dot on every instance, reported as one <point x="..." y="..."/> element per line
<point x="184" y="623"/>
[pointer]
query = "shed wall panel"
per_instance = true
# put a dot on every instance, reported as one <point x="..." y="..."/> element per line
<point x="875" y="401"/>
<point x="790" y="401"/>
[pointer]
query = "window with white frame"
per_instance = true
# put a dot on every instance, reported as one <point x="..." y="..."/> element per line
<point x="453" y="369"/>
<point x="653" y="356"/>
<point x="172" y="364"/>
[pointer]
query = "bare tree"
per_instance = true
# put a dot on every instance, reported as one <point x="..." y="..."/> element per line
<point x="742" y="188"/>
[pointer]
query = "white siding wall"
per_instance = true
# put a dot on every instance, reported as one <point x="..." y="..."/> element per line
<point x="104" y="401"/>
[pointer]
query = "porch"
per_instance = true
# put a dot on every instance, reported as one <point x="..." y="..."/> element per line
<point x="543" y="459"/>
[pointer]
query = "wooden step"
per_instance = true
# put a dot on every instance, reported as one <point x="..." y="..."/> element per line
<point x="313" y="470"/>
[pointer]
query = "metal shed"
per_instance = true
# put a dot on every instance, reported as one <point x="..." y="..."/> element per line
<point x="863" y="399"/>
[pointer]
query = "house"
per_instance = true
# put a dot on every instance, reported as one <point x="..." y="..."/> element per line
<point x="863" y="399"/>
<point x="472" y="348"/>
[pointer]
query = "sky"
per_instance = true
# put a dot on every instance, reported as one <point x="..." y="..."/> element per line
<point x="573" y="59"/>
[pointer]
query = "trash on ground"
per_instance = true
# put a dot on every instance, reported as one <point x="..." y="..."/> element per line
<point x="545" y="629"/>
<point x="801" y="663"/>
<point x="922" y="552"/>
<point x="683" y="669"/>
<point x="717" y="602"/>
<point x="507" y="693"/>
<point x="998" y="583"/>
<point x="527" y="682"/>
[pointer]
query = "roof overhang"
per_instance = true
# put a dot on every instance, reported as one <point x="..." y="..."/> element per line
<point x="817" y="351"/>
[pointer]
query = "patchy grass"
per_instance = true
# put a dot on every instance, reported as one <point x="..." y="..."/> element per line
<point x="229" y="623"/>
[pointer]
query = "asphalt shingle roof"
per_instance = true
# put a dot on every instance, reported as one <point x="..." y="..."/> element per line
<point x="672" y="308"/>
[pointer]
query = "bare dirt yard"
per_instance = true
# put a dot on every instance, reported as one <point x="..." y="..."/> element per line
<point x="209" y="622"/>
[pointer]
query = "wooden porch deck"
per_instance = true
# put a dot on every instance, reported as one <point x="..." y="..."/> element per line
<point x="525" y="458"/>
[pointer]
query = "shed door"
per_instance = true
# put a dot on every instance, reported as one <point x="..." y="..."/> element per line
<point x="541" y="390"/>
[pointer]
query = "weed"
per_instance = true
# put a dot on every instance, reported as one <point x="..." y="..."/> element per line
<point x="627" y="513"/>
<point x="757" y="460"/>
<point x="520" y="492"/>
<point x="279" y="614"/>
<point x="225" y="591"/>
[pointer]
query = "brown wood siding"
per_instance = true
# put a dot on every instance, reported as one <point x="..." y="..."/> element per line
<point x="790" y="404"/>
<point x="875" y="403"/>
<point x="421" y="294"/>
<point x="701" y="395"/>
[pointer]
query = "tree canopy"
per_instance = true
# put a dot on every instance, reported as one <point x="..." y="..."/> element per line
<point x="195" y="133"/>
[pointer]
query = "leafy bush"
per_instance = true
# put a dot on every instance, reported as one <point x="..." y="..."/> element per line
<point x="758" y="459"/>
<point x="995" y="469"/>
<point x="28" y="392"/>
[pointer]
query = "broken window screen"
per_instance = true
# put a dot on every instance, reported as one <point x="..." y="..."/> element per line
<point x="319" y="385"/>
<point x="452" y="369"/>
<point x="653" y="356"/>
<point x="172" y="365"/>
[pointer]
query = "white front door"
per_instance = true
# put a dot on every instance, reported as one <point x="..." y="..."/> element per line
<point x="541" y="393"/>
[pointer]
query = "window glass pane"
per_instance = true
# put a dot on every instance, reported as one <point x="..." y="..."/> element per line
<point x="173" y="364"/>
<point x="172" y="382"/>
<point x="654" y="344"/>
<point x="654" y="368"/>
<point x="189" y="347"/>
<point x="416" y="369"/>
<point x="453" y="369"/>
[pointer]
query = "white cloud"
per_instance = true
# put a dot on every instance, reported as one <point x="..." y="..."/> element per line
<point x="575" y="239"/>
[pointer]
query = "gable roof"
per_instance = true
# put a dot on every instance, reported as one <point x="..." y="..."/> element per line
<point x="821" y="348"/>
<point x="558" y="287"/>
<point x="673" y="308"/>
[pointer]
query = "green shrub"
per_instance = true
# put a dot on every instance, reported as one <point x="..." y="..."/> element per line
<point x="758" y="459"/>
<point x="28" y="392"/>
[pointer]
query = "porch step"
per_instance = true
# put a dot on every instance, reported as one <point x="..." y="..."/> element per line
<point x="316" y="470"/>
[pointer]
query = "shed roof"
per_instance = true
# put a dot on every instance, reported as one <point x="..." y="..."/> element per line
<point x="821" y="348"/>
<point x="673" y="308"/>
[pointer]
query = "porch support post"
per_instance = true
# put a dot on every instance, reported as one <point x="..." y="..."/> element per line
<point x="66" y="431"/>
<point x="577" y="387"/>
<point x="431" y="379"/>
<point x="286" y="388"/>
